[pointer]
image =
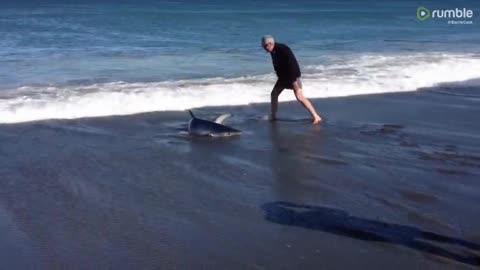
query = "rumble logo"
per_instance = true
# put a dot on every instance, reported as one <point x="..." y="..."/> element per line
<point x="424" y="13"/>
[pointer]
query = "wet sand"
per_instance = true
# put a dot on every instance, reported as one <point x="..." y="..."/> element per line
<point x="388" y="181"/>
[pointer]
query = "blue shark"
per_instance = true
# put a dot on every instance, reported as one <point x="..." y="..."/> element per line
<point x="201" y="127"/>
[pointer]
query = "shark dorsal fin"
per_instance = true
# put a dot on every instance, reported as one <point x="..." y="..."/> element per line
<point x="191" y="113"/>
<point x="221" y="118"/>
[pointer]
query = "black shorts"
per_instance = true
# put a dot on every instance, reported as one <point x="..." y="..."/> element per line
<point x="287" y="84"/>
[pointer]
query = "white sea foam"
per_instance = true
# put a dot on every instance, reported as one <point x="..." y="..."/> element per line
<point x="366" y="74"/>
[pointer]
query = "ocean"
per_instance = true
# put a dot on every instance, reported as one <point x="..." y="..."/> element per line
<point x="71" y="60"/>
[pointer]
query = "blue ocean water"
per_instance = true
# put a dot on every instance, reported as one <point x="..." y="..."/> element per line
<point x="54" y="55"/>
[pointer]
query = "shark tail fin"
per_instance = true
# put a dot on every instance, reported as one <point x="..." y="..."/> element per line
<point x="191" y="113"/>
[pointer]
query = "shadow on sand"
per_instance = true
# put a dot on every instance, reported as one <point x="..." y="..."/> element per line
<point x="339" y="222"/>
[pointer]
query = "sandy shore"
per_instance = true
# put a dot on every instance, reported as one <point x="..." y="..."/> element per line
<point x="387" y="182"/>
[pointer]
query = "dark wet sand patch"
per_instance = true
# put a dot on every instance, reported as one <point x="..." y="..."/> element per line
<point x="451" y="157"/>
<point x="419" y="197"/>
<point x="429" y="221"/>
<point x="452" y="171"/>
<point x="325" y="160"/>
<point x="385" y="129"/>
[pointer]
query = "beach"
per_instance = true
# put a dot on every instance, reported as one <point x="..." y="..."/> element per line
<point x="387" y="181"/>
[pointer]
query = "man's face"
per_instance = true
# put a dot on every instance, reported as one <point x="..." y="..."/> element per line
<point x="268" y="45"/>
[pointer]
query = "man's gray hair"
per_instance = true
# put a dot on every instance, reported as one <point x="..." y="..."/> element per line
<point x="267" y="38"/>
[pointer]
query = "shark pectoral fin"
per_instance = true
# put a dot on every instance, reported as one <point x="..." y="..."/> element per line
<point x="221" y="118"/>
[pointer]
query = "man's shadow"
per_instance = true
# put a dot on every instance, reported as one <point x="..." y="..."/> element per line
<point x="339" y="222"/>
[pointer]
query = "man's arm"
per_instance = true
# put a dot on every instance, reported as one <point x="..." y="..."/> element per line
<point x="293" y="67"/>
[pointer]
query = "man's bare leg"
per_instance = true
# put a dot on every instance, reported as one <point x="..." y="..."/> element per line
<point x="274" y="101"/>
<point x="306" y="103"/>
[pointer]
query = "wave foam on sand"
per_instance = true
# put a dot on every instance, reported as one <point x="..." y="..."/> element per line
<point x="366" y="74"/>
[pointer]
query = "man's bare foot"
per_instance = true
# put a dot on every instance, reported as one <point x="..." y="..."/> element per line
<point x="317" y="120"/>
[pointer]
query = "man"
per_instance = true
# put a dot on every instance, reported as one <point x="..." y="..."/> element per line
<point x="288" y="73"/>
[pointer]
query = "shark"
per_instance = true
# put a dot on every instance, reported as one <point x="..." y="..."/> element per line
<point x="216" y="128"/>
